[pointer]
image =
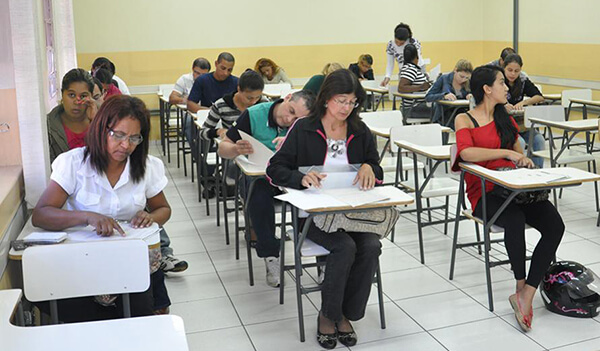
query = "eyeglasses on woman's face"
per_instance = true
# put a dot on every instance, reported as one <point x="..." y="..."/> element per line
<point x="348" y="103"/>
<point x="121" y="137"/>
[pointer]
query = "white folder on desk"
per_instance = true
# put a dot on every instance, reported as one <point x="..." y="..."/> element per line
<point x="261" y="154"/>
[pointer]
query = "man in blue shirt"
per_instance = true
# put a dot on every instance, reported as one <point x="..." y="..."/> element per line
<point x="209" y="88"/>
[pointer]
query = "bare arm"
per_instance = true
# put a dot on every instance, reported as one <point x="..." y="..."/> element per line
<point x="531" y="101"/>
<point x="405" y="86"/>
<point x="176" y="98"/>
<point x="230" y="150"/>
<point x="160" y="212"/>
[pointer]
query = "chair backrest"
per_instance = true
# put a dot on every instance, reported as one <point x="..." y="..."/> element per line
<point x="548" y="112"/>
<point x="584" y="94"/>
<point x="276" y="89"/>
<point x="382" y="119"/>
<point x="166" y="89"/>
<point x="54" y="272"/>
<point x="421" y="134"/>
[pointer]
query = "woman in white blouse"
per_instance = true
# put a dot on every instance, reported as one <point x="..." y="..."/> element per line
<point x="112" y="179"/>
<point x="395" y="50"/>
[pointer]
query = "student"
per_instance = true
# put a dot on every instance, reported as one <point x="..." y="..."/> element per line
<point x="334" y="135"/>
<point x="229" y="108"/>
<point x="412" y="80"/>
<point x="99" y="94"/>
<point x="395" y="50"/>
<point x="268" y="123"/>
<point x="362" y="68"/>
<point x="115" y="167"/>
<point x="183" y="86"/>
<point x="270" y="72"/>
<point x="210" y="87"/>
<point x="106" y="78"/>
<point x="103" y="62"/>
<point x="69" y="121"/>
<point x="314" y="83"/>
<point x="451" y="86"/>
<point x="500" y="61"/>
<point x="487" y="136"/>
<point x="518" y="88"/>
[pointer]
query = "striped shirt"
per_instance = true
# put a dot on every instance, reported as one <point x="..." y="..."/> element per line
<point x="414" y="74"/>
<point x="224" y="110"/>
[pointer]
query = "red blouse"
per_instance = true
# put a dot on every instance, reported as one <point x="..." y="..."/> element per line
<point x="75" y="139"/>
<point x="485" y="137"/>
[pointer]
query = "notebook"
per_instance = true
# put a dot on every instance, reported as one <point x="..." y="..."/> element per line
<point x="41" y="238"/>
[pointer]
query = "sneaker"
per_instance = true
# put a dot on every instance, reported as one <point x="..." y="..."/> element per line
<point x="321" y="276"/>
<point x="272" y="264"/>
<point x="170" y="263"/>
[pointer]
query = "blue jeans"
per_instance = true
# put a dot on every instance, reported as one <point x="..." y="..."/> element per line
<point x="538" y="144"/>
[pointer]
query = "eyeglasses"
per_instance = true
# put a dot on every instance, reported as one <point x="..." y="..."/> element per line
<point x="121" y="137"/>
<point x="353" y="104"/>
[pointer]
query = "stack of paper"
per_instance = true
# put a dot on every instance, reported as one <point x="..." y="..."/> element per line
<point x="41" y="238"/>
<point x="330" y="198"/>
<point x="89" y="233"/>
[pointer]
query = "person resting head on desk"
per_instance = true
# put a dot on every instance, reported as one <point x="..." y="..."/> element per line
<point x="334" y="135"/>
<point x="450" y="86"/>
<point x="111" y="179"/>
<point x="268" y="123"/>
<point x="519" y="87"/>
<point x="69" y="121"/>
<point x="487" y="136"/>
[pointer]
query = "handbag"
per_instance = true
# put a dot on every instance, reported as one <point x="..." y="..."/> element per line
<point x="524" y="198"/>
<point x="379" y="221"/>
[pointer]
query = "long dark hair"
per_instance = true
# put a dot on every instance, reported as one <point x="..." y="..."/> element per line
<point x="516" y="89"/>
<point x="341" y="81"/>
<point x="486" y="75"/>
<point x="113" y="110"/>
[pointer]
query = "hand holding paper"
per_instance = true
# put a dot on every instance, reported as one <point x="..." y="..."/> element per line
<point x="260" y="154"/>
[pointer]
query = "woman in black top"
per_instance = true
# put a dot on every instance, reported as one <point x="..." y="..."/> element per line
<point x="519" y="87"/>
<point x="362" y="68"/>
<point x="332" y="135"/>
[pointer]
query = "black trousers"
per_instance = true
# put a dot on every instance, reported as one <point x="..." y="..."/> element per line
<point x="261" y="210"/>
<point x="542" y="216"/>
<point x="351" y="266"/>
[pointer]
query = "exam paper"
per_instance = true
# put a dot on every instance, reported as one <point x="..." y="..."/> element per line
<point x="89" y="233"/>
<point x="261" y="154"/>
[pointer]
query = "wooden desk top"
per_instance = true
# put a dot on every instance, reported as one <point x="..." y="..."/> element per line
<point x="574" y="177"/>
<point x="586" y="102"/>
<point x="249" y="169"/>
<point x="582" y="125"/>
<point x="552" y="97"/>
<point x="455" y="103"/>
<point x="439" y="153"/>
<point x="153" y="333"/>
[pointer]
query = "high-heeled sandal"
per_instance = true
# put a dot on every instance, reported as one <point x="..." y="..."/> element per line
<point x="523" y="320"/>
<point x="327" y="341"/>
<point x="347" y="338"/>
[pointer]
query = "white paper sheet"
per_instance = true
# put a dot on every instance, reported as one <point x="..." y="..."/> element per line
<point x="261" y="154"/>
<point x="341" y="197"/>
<point x="88" y="233"/>
<point x="532" y="176"/>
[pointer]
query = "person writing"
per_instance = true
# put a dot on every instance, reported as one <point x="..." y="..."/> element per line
<point x="111" y="179"/>
<point x="451" y="86"/>
<point x="487" y="136"/>
<point x="334" y="135"/>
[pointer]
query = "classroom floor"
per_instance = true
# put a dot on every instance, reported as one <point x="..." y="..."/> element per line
<point x="424" y="310"/>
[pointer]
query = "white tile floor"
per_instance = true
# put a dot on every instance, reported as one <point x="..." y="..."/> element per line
<point x="424" y="310"/>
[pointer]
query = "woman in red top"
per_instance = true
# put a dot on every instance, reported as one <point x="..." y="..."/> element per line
<point x="487" y="136"/>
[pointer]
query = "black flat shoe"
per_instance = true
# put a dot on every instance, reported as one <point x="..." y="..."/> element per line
<point x="347" y="338"/>
<point x="327" y="341"/>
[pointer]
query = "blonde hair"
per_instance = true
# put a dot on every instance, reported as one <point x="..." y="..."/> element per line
<point x="366" y="58"/>
<point x="331" y="67"/>
<point x="463" y="66"/>
<point x="265" y="62"/>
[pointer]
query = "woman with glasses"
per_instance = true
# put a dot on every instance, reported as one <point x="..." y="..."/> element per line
<point x="111" y="179"/>
<point x="334" y="135"/>
<point x="69" y="121"/>
<point x="450" y="87"/>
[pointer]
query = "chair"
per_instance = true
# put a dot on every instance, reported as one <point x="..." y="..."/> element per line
<point x="386" y="121"/>
<point x="169" y="126"/>
<point x="567" y="95"/>
<point x="425" y="135"/>
<point x="371" y="94"/>
<point x="70" y="270"/>
<point x="306" y="248"/>
<point x="487" y="241"/>
<point x="567" y="156"/>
